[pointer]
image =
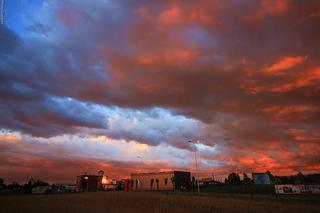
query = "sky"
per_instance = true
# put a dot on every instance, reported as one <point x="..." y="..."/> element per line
<point x="90" y="85"/>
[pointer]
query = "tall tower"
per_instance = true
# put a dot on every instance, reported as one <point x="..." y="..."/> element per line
<point x="2" y="12"/>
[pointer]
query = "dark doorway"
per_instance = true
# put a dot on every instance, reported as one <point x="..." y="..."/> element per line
<point x="157" y="181"/>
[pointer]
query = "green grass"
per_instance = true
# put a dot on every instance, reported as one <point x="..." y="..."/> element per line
<point x="145" y="202"/>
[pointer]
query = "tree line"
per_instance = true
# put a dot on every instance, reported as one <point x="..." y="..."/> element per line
<point x="17" y="188"/>
<point x="299" y="178"/>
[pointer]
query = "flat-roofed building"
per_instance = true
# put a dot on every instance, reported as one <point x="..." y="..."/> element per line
<point x="171" y="180"/>
<point x="89" y="183"/>
<point x="261" y="178"/>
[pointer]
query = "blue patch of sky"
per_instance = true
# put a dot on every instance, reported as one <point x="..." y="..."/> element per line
<point x="200" y="36"/>
<point x="18" y="14"/>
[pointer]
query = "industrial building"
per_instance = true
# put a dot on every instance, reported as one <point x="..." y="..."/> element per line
<point x="89" y="183"/>
<point x="93" y="183"/>
<point x="172" y="180"/>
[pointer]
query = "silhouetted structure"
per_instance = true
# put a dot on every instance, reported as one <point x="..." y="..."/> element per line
<point x="233" y="179"/>
<point x="261" y="178"/>
<point x="127" y="185"/>
<point x="88" y="183"/>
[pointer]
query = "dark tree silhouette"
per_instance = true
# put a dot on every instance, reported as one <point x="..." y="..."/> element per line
<point x="301" y="178"/>
<point x="233" y="179"/>
<point x="246" y="180"/>
<point x="271" y="177"/>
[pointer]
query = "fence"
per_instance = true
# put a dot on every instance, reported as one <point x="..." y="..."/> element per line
<point x="237" y="189"/>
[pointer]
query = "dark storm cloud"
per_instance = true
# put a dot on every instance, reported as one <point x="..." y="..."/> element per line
<point x="49" y="116"/>
<point x="9" y="40"/>
<point x="249" y="69"/>
<point x="39" y="28"/>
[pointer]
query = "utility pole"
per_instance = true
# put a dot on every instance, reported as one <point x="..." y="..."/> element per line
<point x="196" y="162"/>
<point x="141" y="181"/>
<point x="2" y="13"/>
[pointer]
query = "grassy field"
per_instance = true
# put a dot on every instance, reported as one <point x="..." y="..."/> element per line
<point x="123" y="202"/>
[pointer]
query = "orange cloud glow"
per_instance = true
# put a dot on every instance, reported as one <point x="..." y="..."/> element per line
<point x="285" y="63"/>
<point x="308" y="78"/>
<point x="272" y="8"/>
<point x="170" y="57"/>
<point x="10" y="137"/>
<point x="171" y="16"/>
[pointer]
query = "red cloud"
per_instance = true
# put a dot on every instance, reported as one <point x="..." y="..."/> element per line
<point x="268" y="8"/>
<point x="299" y="80"/>
<point x="285" y="63"/>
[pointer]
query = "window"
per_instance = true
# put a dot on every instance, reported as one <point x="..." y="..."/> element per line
<point x="166" y="181"/>
<point x="151" y="182"/>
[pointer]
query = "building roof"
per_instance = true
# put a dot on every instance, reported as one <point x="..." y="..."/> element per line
<point x="156" y="173"/>
<point x="88" y="176"/>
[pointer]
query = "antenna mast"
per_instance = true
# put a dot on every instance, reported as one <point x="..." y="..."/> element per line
<point x="2" y="12"/>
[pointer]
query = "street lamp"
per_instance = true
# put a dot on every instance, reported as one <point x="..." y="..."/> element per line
<point x="195" y="159"/>
<point x="87" y="180"/>
<point x="141" y="181"/>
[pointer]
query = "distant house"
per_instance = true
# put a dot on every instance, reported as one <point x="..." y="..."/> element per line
<point x="65" y="187"/>
<point x="172" y="180"/>
<point x="41" y="189"/>
<point x="261" y="178"/>
<point x="108" y="184"/>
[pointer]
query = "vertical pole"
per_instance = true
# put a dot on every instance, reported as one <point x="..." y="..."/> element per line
<point x="196" y="161"/>
<point x="140" y="183"/>
<point x="174" y="182"/>
<point x="98" y="185"/>
<point x="197" y="174"/>
<point x="87" y="184"/>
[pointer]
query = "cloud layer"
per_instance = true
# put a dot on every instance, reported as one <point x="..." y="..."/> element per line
<point x="242" y="77"/>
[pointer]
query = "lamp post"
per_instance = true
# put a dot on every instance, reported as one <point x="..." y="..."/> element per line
<point x="196" y="162"/>
<point x="87" y="180"/>
<point x="141" y="181"/>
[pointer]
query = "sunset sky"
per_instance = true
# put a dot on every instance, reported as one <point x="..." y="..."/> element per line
<point x="88" y="85"/>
